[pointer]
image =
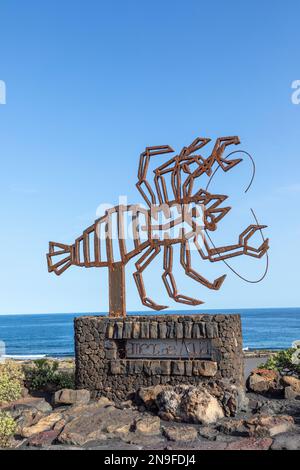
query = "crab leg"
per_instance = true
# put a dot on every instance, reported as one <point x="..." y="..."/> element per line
<point x="143" y="185"/>
<point x="141" y="265"/>
<point x="185" y="260"/>
<point x="170" y="282"/>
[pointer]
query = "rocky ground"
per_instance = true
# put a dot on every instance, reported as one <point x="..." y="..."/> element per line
<point x="219" y="417"/>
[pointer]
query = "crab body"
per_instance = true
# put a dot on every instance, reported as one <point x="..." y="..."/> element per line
<point x="176" y="214"/>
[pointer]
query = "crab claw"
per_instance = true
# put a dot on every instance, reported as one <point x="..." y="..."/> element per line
<point x="228" y="164"/>
<point x="218" y="282"/>
<point x="151" y="304"/>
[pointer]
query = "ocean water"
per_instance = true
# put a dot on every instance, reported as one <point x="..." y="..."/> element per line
<point x="52" y="334"/>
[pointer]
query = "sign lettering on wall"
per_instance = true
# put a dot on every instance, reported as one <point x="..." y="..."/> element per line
<point x="169" y="348"/>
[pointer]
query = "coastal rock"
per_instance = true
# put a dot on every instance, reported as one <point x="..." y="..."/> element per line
<point x="180" y="433"/>
<point x="125" y="405"/>
<point x="82" y="430"/>
<point x="286" y="441"/>
<point x="292" y="382"/>
<point x="257" y="426"/>
<point x="208" y="432"/>
<point x="250" y="444"/>
<point x="168" y="402"/>
<point x="60" y="425"/>
<point x="198" y="406"/>
<point x="77" y="410"/>
<point x="144" y="441"/>
<point x="270" y="425"/>
<point x="54" y="447"/>
<point x="92" y="423"/>
<point x="148" y="395"/>
<point x="44" y="424"/>
<point x="265" y="382"/>
<point x="27" y="418"/>
<point x="104" y="401"/>
<point x="80" y="438"/>
<point x="291" y="394"/>
<point x="234" y="427"/>
<point x="18" y="406"/>
<point x="232" y="397"/>
<point x="189" y="404"/>
<point x="17" y="443"/>
<point x="70" y="397"/>
<point x="111" y="445"/>
<point x="271" y="406"/>
<point x="203" y="404"/>
<point x="196" y="445"/>
<point x="292" y="387"/>
<point x="267" y="374"/>
<point x="147" y="425"/>
<point x="118" y="430"/>
<point x="42" y="439"/>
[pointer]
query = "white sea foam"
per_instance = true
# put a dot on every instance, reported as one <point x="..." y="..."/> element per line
<point x="29" y="356"/>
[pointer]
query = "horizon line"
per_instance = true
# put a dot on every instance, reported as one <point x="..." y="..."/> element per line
<point x="130" y="312"/>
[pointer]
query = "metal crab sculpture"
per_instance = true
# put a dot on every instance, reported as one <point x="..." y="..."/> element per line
<point x="192" y="214"/>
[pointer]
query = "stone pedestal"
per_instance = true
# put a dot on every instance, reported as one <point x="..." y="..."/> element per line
<point x="114" y="357"/>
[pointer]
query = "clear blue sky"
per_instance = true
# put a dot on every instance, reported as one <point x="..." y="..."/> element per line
<point x="91" y="83"/>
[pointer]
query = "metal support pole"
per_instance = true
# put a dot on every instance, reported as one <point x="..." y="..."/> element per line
<point x="117" y="299"/>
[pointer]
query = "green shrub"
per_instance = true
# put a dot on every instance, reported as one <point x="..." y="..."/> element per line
<point x="282" y="360"/>
<point x="13" y="369"/>
<point x="40" y="374"/>
<point x="65" y="380"/>
<point x="44" y="374"/>
<point x="11" y="381"/>
<point x="7" y="428"/>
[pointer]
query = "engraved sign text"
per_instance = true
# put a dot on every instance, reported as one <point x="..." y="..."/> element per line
<point x="169" y="348"/>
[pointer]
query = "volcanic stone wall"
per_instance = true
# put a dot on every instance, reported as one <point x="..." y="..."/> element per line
<point x="104" y="368"/>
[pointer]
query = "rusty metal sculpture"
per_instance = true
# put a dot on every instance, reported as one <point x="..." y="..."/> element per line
<point x="192" y="214"/>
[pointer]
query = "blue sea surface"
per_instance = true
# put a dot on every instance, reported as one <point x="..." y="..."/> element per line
<point x="52" y="334"/>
